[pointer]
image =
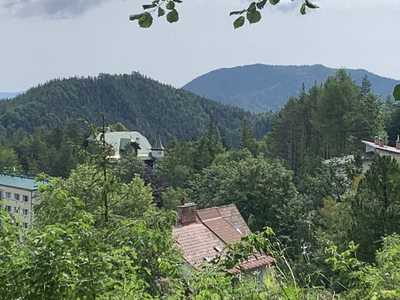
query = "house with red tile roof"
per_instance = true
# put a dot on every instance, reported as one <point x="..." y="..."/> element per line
<point x="202" y="234"/>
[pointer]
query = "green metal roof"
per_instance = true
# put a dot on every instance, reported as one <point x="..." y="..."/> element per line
<point x="19" y="181"/>
<point x="119" y="139"/>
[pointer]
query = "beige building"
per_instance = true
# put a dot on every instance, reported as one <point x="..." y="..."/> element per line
<point x="18" y="195"/>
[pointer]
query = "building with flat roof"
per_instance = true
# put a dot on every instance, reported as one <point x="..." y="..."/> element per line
<point x="378" y="147"/>
<point x="18" y="195"/>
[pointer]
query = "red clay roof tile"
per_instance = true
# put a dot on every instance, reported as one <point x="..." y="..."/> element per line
<point x="197" y="243"/>
<point x="216" y="227"/>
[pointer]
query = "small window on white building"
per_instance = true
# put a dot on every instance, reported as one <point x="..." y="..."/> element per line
<point x="16" y="210"/>
<point x="8" y="208"/>
<point x="8" y="195"/>
<point x="25" y="212"/>
<point x="16" y="196"/>
<point x="25" y="198"/>
<point x="25" y="225"/>
<point x="16" y="224"/>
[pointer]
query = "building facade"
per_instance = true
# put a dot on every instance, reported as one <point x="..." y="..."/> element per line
<point x="19" y="195"/>
<point x="124" y="141"/>
<point x="378" y="147"/>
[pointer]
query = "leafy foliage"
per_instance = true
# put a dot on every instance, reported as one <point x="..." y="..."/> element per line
<point x="253" y="14"/>
<point x="328" y="121"/>
<point x="396" y="92"/>
<point x="375" y="206"/>
<point x="262" y="190"/>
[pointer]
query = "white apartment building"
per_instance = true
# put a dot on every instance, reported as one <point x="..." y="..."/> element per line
<point x="18" y="195"/>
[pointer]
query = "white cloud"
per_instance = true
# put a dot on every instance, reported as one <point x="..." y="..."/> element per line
<point x="52" y="9"/>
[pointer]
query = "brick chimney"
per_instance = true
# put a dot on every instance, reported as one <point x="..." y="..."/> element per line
<point x="187" y="213"/>
<point x="376" y="140"/>
<point x="381" y="143"/>
<point x="398" y="143"/>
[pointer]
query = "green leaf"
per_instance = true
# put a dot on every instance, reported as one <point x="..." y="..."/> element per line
<point x="148" y="6"/>
<point x="310" y="5"/>
<point x="173" y="16"/>
<point x="261" y="4"/>
<point x="253" y="16"/>
<point x="170" y="5"/>
<point x="145" y="20"/>
<point x="239" y="22"/>
<point x="252" y="6"/>
<point x="303" y="9"/>
<point x="237" y="12"/>
<point x="161" y="12"/>
<point x="135" y="17"/>
<point x="274" y="2"/>
<point x="396" y="92"/>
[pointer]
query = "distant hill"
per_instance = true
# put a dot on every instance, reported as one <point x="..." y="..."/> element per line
<point x="8" y="95"/>
<point x="259" y="88"/>
<point x="138" y="102"/>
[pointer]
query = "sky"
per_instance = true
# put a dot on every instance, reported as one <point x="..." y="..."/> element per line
<point x="45" y="39"/>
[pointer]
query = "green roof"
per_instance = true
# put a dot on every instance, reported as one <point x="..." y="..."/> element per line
<point x="119" y="139"/>
<point x="20" y="182"/>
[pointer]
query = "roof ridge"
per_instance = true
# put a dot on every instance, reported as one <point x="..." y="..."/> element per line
<point x="216" y="207"/>
<point x="212" y="219"/>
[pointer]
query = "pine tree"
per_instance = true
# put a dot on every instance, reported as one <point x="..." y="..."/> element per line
<point x="247" y="140"/>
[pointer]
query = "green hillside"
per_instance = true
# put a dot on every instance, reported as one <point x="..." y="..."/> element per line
<point x="259" y="88"/>
<point x="138" y="102"/>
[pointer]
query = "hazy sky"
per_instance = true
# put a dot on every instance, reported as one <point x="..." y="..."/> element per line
<point x="44" y="39"/>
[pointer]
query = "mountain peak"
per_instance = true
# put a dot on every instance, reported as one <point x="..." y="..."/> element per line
<point x="260" y="87"/>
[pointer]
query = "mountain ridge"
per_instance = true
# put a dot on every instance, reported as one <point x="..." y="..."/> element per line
<point x="8" y="95"/>
<point x="140" y="103"/>
<point x="259" y="87"/>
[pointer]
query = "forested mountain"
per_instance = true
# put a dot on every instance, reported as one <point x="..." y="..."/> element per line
<point x="331" y="228"/>
<point x="7" y="95"/>
<point x="259" y="87"/>
<point x="138" y="102"/>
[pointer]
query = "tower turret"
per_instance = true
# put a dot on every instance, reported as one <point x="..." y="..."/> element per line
<point x="157" y="150"/>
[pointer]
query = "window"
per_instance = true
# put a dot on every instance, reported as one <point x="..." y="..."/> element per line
<point x="25" y="198"/>
<point x="8" y="208"/>
<point x="16" y="224"/>
<point x="16" y="196"/>
<point x="25" y="225"/>
<point x="8" y="195"/>
<point x="25" y="212"/>
<point x="16" y="210"/>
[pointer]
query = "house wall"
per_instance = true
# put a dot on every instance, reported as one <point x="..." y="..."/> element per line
<point x="367" y="163"/>
<point x="261" y="271"/>
<point x="394" y="155"/>
<point x="20" y="203"/>
<point x="369" y="149"/>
